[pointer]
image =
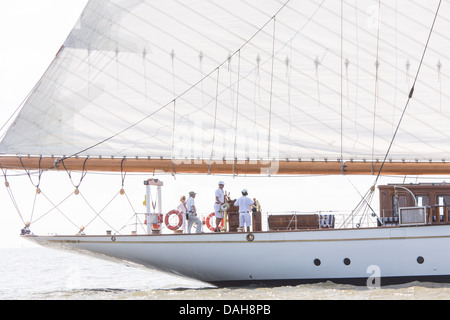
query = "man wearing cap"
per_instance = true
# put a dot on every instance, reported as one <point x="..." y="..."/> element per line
<point x="244" y="204"/>
<point x="220" y="198"/>
<point x="192" y="214"/>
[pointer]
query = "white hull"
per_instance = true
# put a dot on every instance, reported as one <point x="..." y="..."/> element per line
<point x="395" y="254"/>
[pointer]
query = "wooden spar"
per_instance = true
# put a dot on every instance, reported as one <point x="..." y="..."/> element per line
<point x="224" y="167"/>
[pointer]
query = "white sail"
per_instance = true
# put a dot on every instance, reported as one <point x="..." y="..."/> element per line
<point x="245" y="80"/>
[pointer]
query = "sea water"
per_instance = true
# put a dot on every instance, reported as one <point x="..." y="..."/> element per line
<point x="38" y="273"/>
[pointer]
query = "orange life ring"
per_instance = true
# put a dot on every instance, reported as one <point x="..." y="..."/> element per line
<point x="208" y="222"/>
<point x="156" y="226"/>
<point x="180" y="220"/>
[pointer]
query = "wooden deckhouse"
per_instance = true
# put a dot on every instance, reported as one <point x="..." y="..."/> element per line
<point x="434" y="197"/>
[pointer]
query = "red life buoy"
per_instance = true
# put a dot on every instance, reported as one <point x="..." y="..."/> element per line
<point x="180" y="220"/>
<point x="159" y="219"/>
<point x="157" y="226"/>
<point x="208" y="222"/>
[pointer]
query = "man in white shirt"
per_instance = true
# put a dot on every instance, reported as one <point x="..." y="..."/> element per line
<point x="192" y="214"/>
<point x="244" y="204"/>
<point x="220" y="198"/>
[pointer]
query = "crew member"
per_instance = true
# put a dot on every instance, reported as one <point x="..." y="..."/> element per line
<point x="192" y="214"/>
<point x="244" y="203"/>
<point x="220" y="198"/>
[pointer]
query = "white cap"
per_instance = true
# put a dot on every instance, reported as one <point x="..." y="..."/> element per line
<point x="221" y="183"/>
<point x="244" y="191"/>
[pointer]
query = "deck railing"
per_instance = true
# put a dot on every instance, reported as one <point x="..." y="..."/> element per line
<point x="437" y="214"/>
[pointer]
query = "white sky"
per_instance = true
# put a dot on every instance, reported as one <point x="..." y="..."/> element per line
<point x="31" y="33"/>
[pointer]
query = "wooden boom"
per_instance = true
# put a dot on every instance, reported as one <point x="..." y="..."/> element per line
<point x="223" y="167"/>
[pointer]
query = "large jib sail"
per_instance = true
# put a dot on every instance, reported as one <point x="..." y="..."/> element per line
<point x="243" y="86"/>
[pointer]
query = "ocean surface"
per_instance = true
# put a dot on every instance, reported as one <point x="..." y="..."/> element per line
<point x="49" y="274"/>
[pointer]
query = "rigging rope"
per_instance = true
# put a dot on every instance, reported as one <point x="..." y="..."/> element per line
<point x="215" y="120"/>
<point x="396" y="63"/>
<point x="342" y="71"/>
<point x="317" y="64"/>
<point x="97" y="214"/>
<point x="28" y="172"/>
<point x="289" y="85"/>
<point x="11" y="195"/>
<point x="134" y="215"/>
<point x="410" y="94"/>
<point x="83" y="172"/>
<point x="257" y="88"/>
<point x="144" y="55"/>
<point x="57" y="208"/>
<point x="357" y="76"/>
<point x="117" y="68"/>
<point x="231" y="87"/>
<point x="439" y="66"/>
<point x="173" y="129"/>
<point x="271" y="87"/>
<point x="377" y="65"/>
<point x="370" y="192"/>
<point x="89" y="71"/>
<point x="200" y="67"/>
<point x="122" y="173"/>
<point x="172" y="56"/>
<point x="237" y="110"/>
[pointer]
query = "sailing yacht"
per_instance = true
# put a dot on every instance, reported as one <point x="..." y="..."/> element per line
<point x="268" y="88"/>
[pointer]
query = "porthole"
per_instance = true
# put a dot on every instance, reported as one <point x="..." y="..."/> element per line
<point x="420" y="260"/>
<point x="347" y="261"/>
<point x="250" y="237"/>
<point x="317" y="262"/>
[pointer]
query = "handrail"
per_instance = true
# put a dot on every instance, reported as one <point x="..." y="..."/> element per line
<point x="414" y="197"/>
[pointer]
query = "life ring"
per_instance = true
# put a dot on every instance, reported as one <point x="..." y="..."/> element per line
<point x="208" y="222"/>
<point x="180" y="220"/>
<point x="159" y="219"/>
